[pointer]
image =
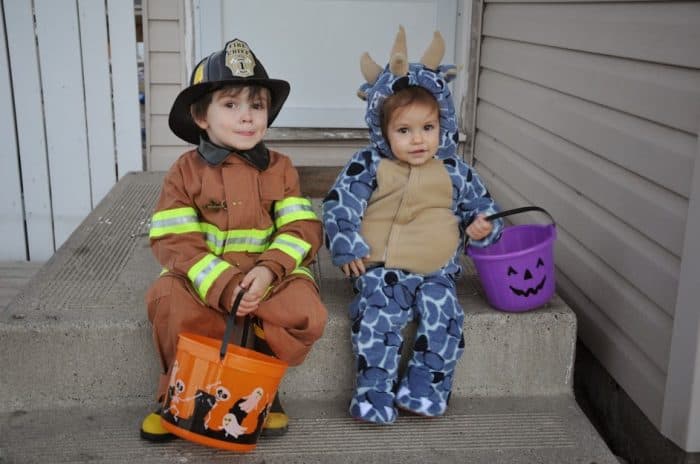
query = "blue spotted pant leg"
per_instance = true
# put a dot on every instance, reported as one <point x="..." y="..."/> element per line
<point x="387" y="300"/>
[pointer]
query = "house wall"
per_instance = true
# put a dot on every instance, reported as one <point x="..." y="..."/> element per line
<point x="178" y="33"/>
<point x="591" y="110"/>
<point x="165" y="75"/>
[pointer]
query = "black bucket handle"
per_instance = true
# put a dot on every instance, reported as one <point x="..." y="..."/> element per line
<point x="519" y="210"/>
<point x="231" y="323"/>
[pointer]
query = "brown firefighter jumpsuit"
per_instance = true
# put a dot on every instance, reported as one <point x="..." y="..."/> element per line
<point x="213" y="224"/>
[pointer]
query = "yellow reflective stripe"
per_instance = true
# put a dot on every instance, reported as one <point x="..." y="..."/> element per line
<point x="224" y="241"/>
<point x="292" y="246"/>
<point x="205" y="272"/>
<point x="305" y="271"/>
<point x="174" y="221"/>
<point x="293" y="209"/>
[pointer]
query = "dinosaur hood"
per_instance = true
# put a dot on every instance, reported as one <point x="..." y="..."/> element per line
<point x="399" y="74"/>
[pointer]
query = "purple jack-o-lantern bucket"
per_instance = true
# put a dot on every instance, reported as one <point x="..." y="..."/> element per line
<point x="517" y="271"/>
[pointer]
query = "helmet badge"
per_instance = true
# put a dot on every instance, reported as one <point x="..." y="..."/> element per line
<point x="239" y="59"/>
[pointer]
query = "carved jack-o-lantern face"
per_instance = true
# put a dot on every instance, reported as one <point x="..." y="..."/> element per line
<point x="526" y="282"/>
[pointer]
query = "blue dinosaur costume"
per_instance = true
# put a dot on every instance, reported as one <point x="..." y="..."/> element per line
<point x="408" y="279"/>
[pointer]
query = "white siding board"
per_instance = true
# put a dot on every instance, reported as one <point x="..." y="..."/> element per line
<point x="161" y="133"/>
<point x="601" y="234"/>
<point x="164" y="36"/>
<point x="162" y="157"/>
<point x="658" y="153"/>
<point x="165" y="68"/>
<point x="681" y="419"/>
<point x="127" y="118"/>
<point x="11" y="220"/>
<point x="163" y="9"/>
<point x="31" y="139"/>
<point x="162" y="98"/>
<point x="612" y="82"/>
<point x="98" y="102"/>
<point x="64" y="106"/>
<point x="660" y="32"/>
<point x="639" y="203"/>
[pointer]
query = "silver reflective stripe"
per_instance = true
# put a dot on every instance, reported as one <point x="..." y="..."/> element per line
<point x="205" y="272"/>
<point x="297" y="248"/>
<point x="174" y="222"/>
<point x="292" y="209"/>
<point x="210" y="237"/>
<point x="247" y="240"/>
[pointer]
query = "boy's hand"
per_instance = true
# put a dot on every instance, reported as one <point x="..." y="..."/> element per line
<point x="480" y="228"/>
<point x="355" y="267"/>
<point x="256" y="282"/>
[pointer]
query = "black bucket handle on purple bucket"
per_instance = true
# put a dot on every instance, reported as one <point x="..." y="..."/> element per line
<point x="231" y="323"/>
<point x="523" y="209"/>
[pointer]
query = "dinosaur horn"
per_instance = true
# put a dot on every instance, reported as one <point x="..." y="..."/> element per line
<point x="434" y="53"/>
<point x="398" y="62"/>
<point x="370" y="69"/>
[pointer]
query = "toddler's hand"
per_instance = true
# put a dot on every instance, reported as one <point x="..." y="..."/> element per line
<point x="355" y="267"/>
<point x="480" y="228"/>
<point x="256" y="283"/>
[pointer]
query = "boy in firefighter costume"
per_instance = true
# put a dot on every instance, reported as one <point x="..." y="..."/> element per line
<point x="395" y="220"/>
<point x="231" y="217"/>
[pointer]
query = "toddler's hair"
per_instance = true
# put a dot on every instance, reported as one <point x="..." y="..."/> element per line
<point x="405" y="97"/>
<point x="199" y="108"/>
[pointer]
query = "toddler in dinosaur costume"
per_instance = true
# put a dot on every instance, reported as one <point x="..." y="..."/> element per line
<point x="396" y="220"/>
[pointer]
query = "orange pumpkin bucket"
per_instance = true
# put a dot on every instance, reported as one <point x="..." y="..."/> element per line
<point x="219" y="394"/>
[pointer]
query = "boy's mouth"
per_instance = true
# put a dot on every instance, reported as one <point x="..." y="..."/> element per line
<point x="246" y="133"/>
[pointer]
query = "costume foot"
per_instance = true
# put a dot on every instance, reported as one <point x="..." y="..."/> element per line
<point x="152" y="429"/>
<point x="373" y="406"/>
<point x="430" y="406"/>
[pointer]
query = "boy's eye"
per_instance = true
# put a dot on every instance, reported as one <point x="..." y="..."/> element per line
<point x="428" y="127"/>
<point x="231" y="104"/>
<point x="402" y="130"/>
<point x="258" y="106"/>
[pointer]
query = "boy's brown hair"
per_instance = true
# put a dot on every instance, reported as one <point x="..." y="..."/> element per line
<point x="405" y="97"/>
<point x="199" y="108"/>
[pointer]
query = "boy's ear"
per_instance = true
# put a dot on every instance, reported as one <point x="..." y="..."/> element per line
<point x="201" y="123"/>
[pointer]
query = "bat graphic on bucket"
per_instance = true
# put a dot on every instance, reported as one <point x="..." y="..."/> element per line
<point x="517" y="271"/>
<point x="219" y="393"/>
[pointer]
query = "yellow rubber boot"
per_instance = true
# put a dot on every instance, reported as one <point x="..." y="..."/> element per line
<point x="277" y="422"/>
<point x="152" y="429"/>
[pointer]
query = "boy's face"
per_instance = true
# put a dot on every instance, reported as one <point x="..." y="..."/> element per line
<point x="414" y="133"/>
<point x="235" y="121"/>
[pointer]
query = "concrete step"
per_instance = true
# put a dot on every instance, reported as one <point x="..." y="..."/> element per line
<point x="78" y="334"/>
<point x="542" y="430"/>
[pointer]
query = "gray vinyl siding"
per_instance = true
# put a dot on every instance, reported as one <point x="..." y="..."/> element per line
<point x="592" y="110"/>
<point x="164" y="32"/>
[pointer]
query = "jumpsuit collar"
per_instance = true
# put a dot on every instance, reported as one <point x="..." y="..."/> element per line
<point x="214" y="155"/>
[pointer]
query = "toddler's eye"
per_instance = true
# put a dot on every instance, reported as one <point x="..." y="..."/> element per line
<point x="258" y="106"/>
<point x="428" y="127"/>
<point x="402" y="130"/>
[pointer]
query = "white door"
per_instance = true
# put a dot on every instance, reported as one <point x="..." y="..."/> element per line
<point x="316" y="46"/>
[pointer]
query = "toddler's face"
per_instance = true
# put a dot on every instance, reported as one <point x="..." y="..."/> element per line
<point x="235" y="121"/>
<point x="414" y="133"/>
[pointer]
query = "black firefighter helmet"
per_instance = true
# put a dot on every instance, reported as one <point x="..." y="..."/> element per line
<point x="235" y="64"/>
